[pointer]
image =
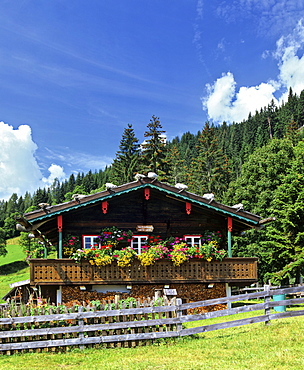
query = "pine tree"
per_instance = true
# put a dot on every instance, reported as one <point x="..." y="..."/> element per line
<point x="71" y="183"/>
<point x="176" y="168"/>
<point x="262" y="174"/>
<point x="12" y="205"/>
<point x="154" y="149"/>
<point x="209" y="171"/>
<point x="188" y="148"/>
<point x="285" y="237"/>
<point x="88" y="182"/>
<point x="126" y="163"/>
<point x="300" y="110"/>
<point x="27" y="201"/>
<point x="40" y="196"/>
<point x="292" y="132"/>
<point x="3" y="250"/>
<point x="55" y="192"/>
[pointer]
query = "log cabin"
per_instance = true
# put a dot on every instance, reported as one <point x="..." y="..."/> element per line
<point x="143" y="208"/>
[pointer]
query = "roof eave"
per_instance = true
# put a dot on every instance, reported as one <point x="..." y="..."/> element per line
<point x="48" y="212"/>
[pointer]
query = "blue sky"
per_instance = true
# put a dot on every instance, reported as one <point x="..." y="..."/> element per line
<point x="75" y="73"/>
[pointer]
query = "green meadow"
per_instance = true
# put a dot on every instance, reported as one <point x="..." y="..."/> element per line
<point x="279" y="345"/>
<point x="12" y="267"/>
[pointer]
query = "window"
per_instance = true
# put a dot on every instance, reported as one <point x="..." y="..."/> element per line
<point x="138" y="241"/>
<point x="88" y="241"/>
<point x="193" y="240"/>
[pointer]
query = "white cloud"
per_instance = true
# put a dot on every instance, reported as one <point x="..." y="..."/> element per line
<point x="56" y="172"/>
<point x="19" y="170"/>
<point x="224" y="103"/>
<point x="291" y="66"/>
<point x="79" y="161"/>
<point x="270" y="17"/>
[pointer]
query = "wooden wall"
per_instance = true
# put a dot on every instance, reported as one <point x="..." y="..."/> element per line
<point x="167" y="215"/>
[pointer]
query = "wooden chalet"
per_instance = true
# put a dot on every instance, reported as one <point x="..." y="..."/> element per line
<point x="145" y="207"/>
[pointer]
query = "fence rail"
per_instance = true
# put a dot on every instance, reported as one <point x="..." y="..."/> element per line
<point x="132" y="326"/>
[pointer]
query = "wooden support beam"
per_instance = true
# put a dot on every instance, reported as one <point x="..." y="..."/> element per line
<point x="229" y="225"/>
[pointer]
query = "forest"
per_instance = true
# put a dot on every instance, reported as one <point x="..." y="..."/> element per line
<point x="257" y="162"/>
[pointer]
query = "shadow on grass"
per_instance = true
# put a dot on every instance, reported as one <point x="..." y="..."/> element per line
<point x="13" y="267"/>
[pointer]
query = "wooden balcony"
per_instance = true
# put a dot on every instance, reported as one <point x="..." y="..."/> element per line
<point x="67" y="272"/>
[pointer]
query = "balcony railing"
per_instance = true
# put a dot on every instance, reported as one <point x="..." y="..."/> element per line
<point x="67" y="272"/>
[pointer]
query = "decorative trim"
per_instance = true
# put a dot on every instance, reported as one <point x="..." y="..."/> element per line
<point x="59" y="223"/>
<point x="188" y="208"/>
<point x="229" y="223"/>
<point x="104" y="207"/>
<point x="147" y="193"/>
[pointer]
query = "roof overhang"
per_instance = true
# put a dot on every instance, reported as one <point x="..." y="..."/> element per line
<point x="51" y="211"/>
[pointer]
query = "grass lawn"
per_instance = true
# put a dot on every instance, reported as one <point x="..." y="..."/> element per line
<point x="278" y="346"/>
<point x="12" y="267"/>
<point x="14" y="252"/>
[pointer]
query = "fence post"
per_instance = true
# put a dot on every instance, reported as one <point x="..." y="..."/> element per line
<point x="117" y="298"/>
<point x="80" y="323"/>
<point x="266" y="301"/>
<point x="157" y="294"/>
<point x="179" y="313"/>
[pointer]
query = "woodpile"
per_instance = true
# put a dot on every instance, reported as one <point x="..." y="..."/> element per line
<point x="187" y="292"/>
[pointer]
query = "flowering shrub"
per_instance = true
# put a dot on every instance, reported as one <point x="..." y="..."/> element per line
<point x="36" y="252"/>
<point x="152" y="253"/>
<point x="181" y="253"/>
<point x="113" y="236"/>
<point x="211" y="236"/>
<point x="80" y="254"/>
<point x="210" y="251"/>
<point x="125" y="256"/>
<point x="102" y="260"/>
<point x="70" y="245"/>
<point x="96" y="256"/>
<point x="174" y="248"/>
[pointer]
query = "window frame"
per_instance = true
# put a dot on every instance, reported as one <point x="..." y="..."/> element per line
<point x="92" y="236"/>
<point x="192" y="242"/>
<point x="140" y="244"/>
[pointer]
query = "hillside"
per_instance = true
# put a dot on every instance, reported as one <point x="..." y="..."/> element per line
<point x="12" y="267"/>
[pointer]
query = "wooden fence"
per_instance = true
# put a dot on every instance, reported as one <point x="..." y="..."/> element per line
<point x="131" y="326"/>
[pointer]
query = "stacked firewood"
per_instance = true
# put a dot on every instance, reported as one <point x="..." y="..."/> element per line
<point x="187" y="292"/>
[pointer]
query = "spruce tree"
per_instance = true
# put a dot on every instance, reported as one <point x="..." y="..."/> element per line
<point x="154" y="149"/>
<point x="209" y="171"/>
<point x="285" y="236"/>
<point x="3" y="250"/>
<point x="262" y="174"/>
<point x="126" y="163"/>
<point x="292" y="132"/>
<point x="300" y="110"/>
<point x="176" y="168"/>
